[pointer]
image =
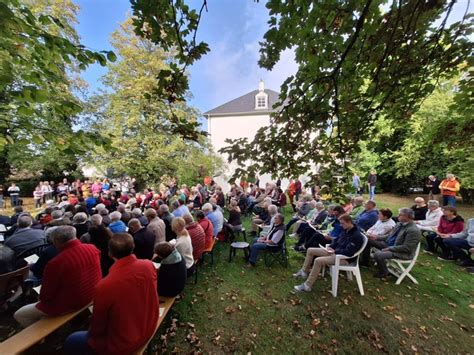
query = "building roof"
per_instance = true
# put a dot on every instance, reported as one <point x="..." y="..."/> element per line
<point x="245" y="104"/>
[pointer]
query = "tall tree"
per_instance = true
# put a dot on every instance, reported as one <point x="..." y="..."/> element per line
<point x="140" y="127"/>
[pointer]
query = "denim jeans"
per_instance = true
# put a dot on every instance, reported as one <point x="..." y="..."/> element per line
<point x="371" y="192"/>
<point x="457" y="245"/>
<point x="76" y="344"/>
<point x="449" y="200"/>
<point x="14" y="200"/>
<point x="255" y="250"/>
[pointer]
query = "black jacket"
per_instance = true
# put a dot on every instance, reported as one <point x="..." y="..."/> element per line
<point x="172" y="279"/>
<point x="144" y="243"/>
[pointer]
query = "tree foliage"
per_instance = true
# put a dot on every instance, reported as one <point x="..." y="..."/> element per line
<point x="39" y="49"/>
<point x="140" y="127"/>
<point x="357" y="61"/>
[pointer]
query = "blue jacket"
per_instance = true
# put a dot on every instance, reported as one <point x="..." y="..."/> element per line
<point x="348" y="242"/>
<point x="336" y="229"/>
<point x="117" y="227"/>
<point x="367" y="219"/>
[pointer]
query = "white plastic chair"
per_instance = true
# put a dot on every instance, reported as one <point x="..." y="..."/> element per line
<point x="396" y="268"/>
<point x="350" y="269"/>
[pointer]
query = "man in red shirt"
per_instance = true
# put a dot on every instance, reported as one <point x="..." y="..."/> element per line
<point x="198" y="237"/>
<point x="126" y="306"/>
<point x="207" y="227"/>
<point x="69" y="279"/>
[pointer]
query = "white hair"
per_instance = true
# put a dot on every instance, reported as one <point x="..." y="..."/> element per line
<point x="433" y="203"/>
<point x="115" y="216"/>
<point x="207" y="207"/>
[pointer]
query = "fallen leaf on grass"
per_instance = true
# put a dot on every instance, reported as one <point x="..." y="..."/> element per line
<point x="452" y="304"/>
<point x="471" y="306"/>
<point x="388" y="308"/>
<point x="398" y="318"/>
<point x="315" y="322"/>
<point x="367" y="315"/>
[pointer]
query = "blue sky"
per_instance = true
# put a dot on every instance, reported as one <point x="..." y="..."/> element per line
<point x="232" y="28"/>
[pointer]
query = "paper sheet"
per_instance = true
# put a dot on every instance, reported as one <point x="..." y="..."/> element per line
<point x="32" y="259"/>
<point x="37" y="289"/>
<point x="157" y="265"/>
<point x="162" y="311"/>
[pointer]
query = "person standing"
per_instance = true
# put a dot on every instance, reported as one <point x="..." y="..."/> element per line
<point x="433" y="187"/>
<point x="356" y="183"/>
<point x="372" y="182"/>
<point x="298" y="189"/>
<point x="126" y="305"/>
<point x="449" y="187"/>
<point x="14" y="194"/>
<point x="2" y="202"/>
<point x="38" y="196"/>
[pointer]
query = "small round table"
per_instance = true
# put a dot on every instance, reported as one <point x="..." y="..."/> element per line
<point x="239" y="245"/>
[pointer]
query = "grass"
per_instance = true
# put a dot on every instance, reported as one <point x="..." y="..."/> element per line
<point x="234" y="309"/>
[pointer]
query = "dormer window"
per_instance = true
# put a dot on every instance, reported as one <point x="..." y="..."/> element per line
<point x="261" y="101"/>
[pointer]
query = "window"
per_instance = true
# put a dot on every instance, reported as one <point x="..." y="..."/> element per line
<point x="261" y="102"/>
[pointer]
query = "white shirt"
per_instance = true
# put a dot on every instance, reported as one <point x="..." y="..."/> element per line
<point x="185" y="248"/>
<point x="382" y="228"/>
<point x="431" y="221"/>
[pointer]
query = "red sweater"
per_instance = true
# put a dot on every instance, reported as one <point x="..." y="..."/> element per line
<point x="208" y="230"/>
<point x="70" y="278"/>
<point x="446" y="226"/>
<point x="126" y="307"/>
<point x="198" y="239"/>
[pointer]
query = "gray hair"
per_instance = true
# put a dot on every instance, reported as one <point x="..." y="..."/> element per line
<point x="103" y="211"/>
<point x="319" y="204"/>
<point x="136" y="212"/>
<point x="115" y="216"/>
<point x="358" y="201"/>
<point x="207" y="207"/>
<point x="63" y="234"/>
<point x="188" y="218"/>
<point x="24" y="221"/>
<point x="407" y="212"/>
<point x="433" y="203"/>
<point x="449" y="176"/>
<point x="96" y="219"/>
<point x="80" y="217"/>
<point x="280" y="217"/>
<point x="272" y="210"/>
<point x="134" y="222"/>
<point x="57" y="214"/>
<point x="163" y="208"/>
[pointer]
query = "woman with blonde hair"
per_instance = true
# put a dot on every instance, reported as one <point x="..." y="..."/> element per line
<point x="183" y="243"/>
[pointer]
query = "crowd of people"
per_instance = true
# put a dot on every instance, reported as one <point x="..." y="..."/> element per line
<point x="100" y="239"/>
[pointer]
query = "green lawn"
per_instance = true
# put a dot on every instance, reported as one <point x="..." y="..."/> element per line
<point x="234" y="309"/>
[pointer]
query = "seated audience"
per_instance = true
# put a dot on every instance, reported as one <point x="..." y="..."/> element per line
<point x="449" y="223"/>
<point x="368" y="216"/>
<point x="215" y="216"/>
<point x="143" y="239"/>
<point x="197" y="234"/>
<point x="172" y="271"/>
<point x="420" y="208"/>
<point x="137" y="213"/>
<point x="273" y="239"/>
<point x="155" y="225"/>
<point x="69" y="279"/>
<point x="348" y="243"/>
<point x="167" y="218"/>
<point x="302" y="209"/>
<point x="80" y="222"/>
<point x="116" y="224"/>
<point x="183" y="243"/>
<point x="126" y="305"/>
<point x="7" y="260"/>
<point x="432" y="217"/>
<point x="181" y="208"/>
<point x="377" y="235"/>
<point x="401" y="243"/>
<point x="234" y="222"/>
<point x="358" y="207"/>
<point x="207" y="227"/>
<point x="25" y="237"/>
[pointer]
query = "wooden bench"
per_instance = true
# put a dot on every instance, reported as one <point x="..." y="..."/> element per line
<point x="36" y="332"/>
<point x="165" y="304"/>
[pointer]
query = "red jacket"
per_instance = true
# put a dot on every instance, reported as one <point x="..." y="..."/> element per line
<point x="198" y="239"/>
<point x="208" y="230"/>
<point x="456" y="225"/>
<point x="126" y="307"/>
<point x="70" y="278"/>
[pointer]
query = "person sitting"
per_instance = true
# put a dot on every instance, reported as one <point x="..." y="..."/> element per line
<point x="155" y="225"/>
<point x="432" y="217"/>
<point x="126" y="305"/>
<point x="197" y="234"/>
<point x="99" y="235"/>
<point x="401" y="243"/>
<point x="302" y="209"/>
<point x="358" y="207"/>
<point x="167" y="218"/>
<point x="116" y="224"/>
<point x="377" y="235"/>
<point x="126" y="215"/>
<point x="272" y="213"/>
<point x="368" y="217"/>
<point x="143" y="239"/>
<point x="137" y="213"/>
<point x="272" y="239"/>
<point x="80" y="222"/>
<point x="449" y="223"/>
<point x="348" y="243"/>
<point x="181" y="208"/>
<point x="46" y="255"/>
<point x="330" y="229"/>
<point x="207" y="227"/>
<point x="104" y="213"/>
<point x="459" y="244"/>
<point x="234" y="222"/>
<point x="263" y="216"/>
<point x="59" y="219"/>
<point x="69" y="279"/>
<point x="25" y="237"/>
<point x="183" y="243"/>
<point x="215" y="216"/>
<point x="8" y="261"/>
<point x="316" y="220"/>
<point x="172" y="271"/>
<point x="420" y="208"/>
